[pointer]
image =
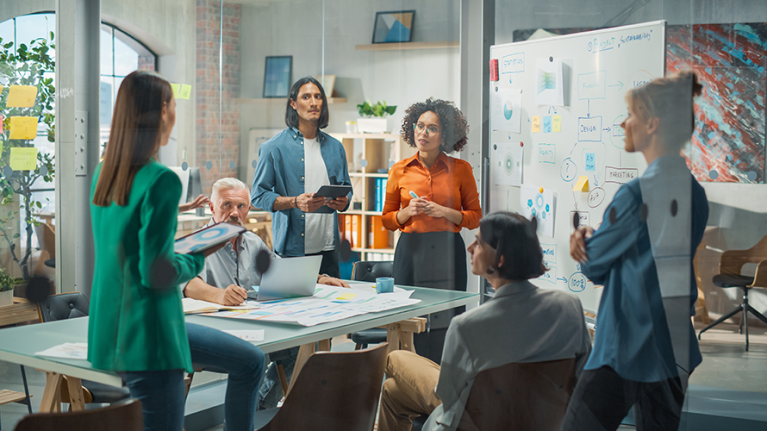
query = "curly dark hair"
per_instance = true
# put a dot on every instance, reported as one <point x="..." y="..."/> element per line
<point x="453" y="124"/>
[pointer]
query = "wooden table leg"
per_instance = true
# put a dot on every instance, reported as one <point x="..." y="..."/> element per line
<point x="324" y="345"/>
<point x="51" y="402"/>
<point x="304" y="352"/>
<point x="76" y="397"/>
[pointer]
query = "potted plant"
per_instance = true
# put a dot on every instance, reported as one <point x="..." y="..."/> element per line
<point x="375" y="120"/>
<point x="7" y="283"/>
<point x="24" y="66"/>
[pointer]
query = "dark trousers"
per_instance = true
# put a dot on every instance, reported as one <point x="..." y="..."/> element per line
<point x="436" y="260"/>
<point x="329" y="263"/>
<point x="602" y="399"/>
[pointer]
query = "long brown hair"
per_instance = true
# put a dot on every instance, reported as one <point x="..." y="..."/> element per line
<point x="135" y="135"/>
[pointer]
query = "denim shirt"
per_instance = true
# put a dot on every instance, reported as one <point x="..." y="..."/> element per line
<point x="280" y="172"/>
<point x="633" y="335"/>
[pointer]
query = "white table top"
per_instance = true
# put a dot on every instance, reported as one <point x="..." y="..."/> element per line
<point x="18" y="345"/>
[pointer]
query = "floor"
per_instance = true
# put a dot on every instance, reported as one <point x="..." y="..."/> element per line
<point x="727" y="375"/>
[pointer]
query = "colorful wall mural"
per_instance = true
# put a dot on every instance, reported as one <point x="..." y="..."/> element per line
<point x="730" y="60"/>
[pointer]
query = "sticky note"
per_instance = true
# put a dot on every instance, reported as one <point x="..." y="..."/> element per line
<point x="536" y="124"/>
<point x="23" y="128"/>
<point x="21" y="96"/>
<point x="556" y="124"/>
<point x="185" y="91"/>
<point x="582" y="185"/>
<point x="1" y="120"/>
<point x="176" y="89"/>
<point x="547" y="124"/>
<point x="1" y="88"/>
<point x="23" y="159"/>
<point x="346" y="296"/>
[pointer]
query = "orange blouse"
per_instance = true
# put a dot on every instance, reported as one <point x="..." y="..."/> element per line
<point x="450" y="183"/>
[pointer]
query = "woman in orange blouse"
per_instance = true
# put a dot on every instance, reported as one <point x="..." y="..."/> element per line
<point x="430" y="251"/>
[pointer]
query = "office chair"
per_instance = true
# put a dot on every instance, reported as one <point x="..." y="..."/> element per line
<point x="518" y="396"/>
<point x="72" y="305"/>
<point x="730" y="265"/>
<point x="123" y="416"/>
<point x="369" y="271"/>
<point x="334" y="391"/>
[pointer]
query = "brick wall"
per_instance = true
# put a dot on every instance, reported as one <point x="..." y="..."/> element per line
<point x="207" y="95"/>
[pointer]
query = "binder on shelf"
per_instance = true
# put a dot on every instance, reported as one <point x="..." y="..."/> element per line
<point x="379" y="235"/>
<point x="380" y="193"/>
<point x="348" y="229"/>
<point x="342" y="227"/>
<point x="356" y="231"/>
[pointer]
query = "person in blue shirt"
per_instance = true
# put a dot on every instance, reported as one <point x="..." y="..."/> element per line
<point x="645" y="345"/>
<point x="292" y="166"/>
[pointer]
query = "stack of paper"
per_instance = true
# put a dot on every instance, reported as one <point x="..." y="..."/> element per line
<point x="328" y="304"/>
<point x="67" y="351"/>
<point x="194" y="306"/>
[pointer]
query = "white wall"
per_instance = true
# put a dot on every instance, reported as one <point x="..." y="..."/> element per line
<point x="398" y="77"/>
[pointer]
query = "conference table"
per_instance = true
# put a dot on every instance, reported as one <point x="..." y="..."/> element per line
<point x="18" y="345"/>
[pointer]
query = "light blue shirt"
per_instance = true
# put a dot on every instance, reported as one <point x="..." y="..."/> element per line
<point x="280" y="172"/>
<point x="632" y="333"/>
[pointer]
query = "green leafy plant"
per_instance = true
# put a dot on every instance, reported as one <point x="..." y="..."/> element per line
<point x="26" y="66"/>
<point x="6" y="281"/>
<point x="378" y="110"/>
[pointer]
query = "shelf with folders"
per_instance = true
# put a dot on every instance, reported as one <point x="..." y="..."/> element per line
<point x="369" y="157"/>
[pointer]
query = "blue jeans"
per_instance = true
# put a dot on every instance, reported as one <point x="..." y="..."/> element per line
<point x="162" y="397"/>
<point x="218" y="351"/>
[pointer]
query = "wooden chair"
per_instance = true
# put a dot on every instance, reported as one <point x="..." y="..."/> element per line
<point x="400" y="334"/>
<point x="123" y="416"/>
<point x="730" y="265"/>
<point x="335" y="391"/>
<point x="519" y="397"/>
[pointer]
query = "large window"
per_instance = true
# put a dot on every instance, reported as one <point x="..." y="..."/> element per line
<point x="120" y="55"/>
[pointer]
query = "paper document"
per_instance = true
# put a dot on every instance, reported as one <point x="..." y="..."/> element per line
<point x="67" y="351"/>
<point x="251" y="335"/>
<point x="193" y="306"/>
<point x="507" y="109"/>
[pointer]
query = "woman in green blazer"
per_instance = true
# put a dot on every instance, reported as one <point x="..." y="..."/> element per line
<point x="136" y="318"/>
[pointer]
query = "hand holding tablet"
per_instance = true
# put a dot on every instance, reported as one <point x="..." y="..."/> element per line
<point x="207" y="237"/>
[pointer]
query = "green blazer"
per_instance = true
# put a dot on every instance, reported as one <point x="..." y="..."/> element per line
<point x="136" y="317"/>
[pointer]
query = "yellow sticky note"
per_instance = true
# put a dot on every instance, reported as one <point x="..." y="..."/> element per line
<point x="185" y="91"/>
<point x="556" y="123"/>
<point x="23" y="128"/>
<point x="582" y="185"/>
<point x="1" y="88"/>
<point x="23" y="159"/>
<point x="346" y="296"/>
<point x="537" y="124"/>
<point x="176" y="89"/>
<point x="21" y="96"/>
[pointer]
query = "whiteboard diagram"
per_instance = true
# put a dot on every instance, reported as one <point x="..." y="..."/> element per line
<point x="572" y="91"/>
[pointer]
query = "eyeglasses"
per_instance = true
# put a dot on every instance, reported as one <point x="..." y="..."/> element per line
<point x="421" y="128"/>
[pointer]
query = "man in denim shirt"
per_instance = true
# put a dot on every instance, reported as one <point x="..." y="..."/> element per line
<point x="292" y="166"/>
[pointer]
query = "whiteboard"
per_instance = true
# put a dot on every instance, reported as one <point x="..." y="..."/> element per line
<point x="588" y="74"/>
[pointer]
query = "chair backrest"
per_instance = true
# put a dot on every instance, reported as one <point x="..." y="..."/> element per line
<point x="63" y="306"/>
<point x="122" y="416"/>
<point x="532" y="396"/>
<point x="46" y="236"/>
<point x="369" y="270"/>
<point x="732" y="261"/>
<point x="335" y="391"/>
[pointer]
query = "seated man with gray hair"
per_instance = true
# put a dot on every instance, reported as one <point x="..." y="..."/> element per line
<point x="230" y="270"/>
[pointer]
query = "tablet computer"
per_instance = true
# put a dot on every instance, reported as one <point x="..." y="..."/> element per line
<point x="332" y="192"/>
<point x="207" y="237"/>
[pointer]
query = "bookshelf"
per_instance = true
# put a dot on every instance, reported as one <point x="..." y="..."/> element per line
<point x="365" y="155"/>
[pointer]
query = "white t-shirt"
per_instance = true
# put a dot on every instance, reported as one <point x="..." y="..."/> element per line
<point x="318" y="234"/>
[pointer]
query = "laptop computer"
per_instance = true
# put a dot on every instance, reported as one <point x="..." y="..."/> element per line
<point x="288" y="278"/>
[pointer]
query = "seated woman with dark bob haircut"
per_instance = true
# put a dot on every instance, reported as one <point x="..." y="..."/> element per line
<point x="520" y="324"/>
